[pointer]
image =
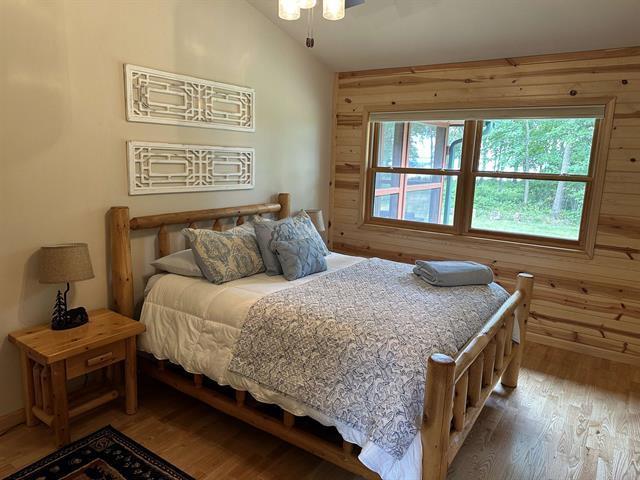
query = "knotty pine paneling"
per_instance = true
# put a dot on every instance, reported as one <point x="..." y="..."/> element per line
<point x="589" y="305"/>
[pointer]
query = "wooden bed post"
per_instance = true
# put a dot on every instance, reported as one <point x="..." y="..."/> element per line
<point x="284" y="199"/>
<point x="121" y="273"/>
<point x="438" y="412"/>
<point x="524" y="284"/>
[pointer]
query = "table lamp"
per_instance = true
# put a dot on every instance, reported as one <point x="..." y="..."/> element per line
<point x="64" y="263"/>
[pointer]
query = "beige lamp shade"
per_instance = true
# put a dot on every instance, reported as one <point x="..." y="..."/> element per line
<point x="317" y="219"/>
<point x="67" y="262"/>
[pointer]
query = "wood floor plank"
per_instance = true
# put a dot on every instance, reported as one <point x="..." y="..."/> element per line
<point x="572" y="417"/>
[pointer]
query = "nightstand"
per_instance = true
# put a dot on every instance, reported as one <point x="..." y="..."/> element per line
<point x="51" y="357"/>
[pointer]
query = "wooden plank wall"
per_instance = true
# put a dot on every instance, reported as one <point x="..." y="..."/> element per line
<point x="587" y="305"/>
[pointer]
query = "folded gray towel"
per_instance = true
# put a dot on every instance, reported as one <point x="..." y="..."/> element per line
<point x="453" y="273"/>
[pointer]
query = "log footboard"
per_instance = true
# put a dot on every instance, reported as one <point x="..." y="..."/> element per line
<point x="457" y="389"/>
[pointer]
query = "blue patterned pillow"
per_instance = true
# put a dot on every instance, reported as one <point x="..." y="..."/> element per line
<point x="297" y="227"/>
<point x="266" y="234"/>
<point x="303" y="223"/>
<point x="225" y="256"/>
<point x="300" y="257"/>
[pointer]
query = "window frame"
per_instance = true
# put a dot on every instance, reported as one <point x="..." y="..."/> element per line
<point x="372" y="169"/>
<point x="469" y="172"/>
<point x="403" y="188"/>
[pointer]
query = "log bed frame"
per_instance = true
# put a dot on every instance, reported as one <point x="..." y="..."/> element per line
<point x="456" y="388"/>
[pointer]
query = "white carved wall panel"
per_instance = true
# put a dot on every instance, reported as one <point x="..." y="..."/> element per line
<point x="154" y="96"/>
<point x="173" y="168"/>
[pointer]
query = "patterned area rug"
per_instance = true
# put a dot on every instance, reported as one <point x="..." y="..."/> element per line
<point x="104" y="455"/>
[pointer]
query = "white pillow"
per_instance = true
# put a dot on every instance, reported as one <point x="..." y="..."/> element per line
<point x="180" y="263"/>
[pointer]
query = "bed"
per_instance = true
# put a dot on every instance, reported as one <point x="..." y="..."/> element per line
<point x="203" y="328"/>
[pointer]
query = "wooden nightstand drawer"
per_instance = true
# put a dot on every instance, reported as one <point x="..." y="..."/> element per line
<point x="95" y="359"/>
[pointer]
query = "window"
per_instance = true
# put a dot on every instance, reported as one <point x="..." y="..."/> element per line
<point x="524" y="174"/>
<point x="416" y="171"/>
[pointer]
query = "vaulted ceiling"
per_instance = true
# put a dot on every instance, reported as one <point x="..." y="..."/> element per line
<point x="389" y="33"/>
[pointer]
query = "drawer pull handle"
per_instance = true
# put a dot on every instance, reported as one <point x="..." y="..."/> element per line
<point x="99" y="359"/>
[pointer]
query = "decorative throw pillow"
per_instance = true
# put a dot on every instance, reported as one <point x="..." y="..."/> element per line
<point x="225" y="256"/>
<point x="300" y="257"/>
<point x="266" y="234"/>
<point x="303" y="222"/>
<point x="297" y="227"/>
<point x="180" y="263"/>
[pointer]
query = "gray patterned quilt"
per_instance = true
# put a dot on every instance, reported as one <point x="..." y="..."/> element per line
<point x="354" y="344"/>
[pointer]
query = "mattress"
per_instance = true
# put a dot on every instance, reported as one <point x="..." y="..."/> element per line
<point x="195" y="323"/>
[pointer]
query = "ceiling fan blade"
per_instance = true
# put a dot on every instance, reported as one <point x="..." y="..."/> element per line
<point x="352" y="3"/>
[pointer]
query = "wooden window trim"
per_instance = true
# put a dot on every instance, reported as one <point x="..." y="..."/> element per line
<point x="373" y="168"/>
<point x="555" y="177"/>
<point x="594" y="184"/>
<point x="418" y="171"/>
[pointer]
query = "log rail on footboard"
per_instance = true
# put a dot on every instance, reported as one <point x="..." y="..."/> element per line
<point x="456" y="388"/>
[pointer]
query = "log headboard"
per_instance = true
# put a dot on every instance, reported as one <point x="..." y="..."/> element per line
<point x="121" y="225"/>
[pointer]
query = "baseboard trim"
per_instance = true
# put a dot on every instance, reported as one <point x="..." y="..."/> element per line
<point x="11" y="419"/>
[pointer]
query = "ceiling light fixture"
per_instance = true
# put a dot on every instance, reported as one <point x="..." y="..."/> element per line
<point x="331" y="10"/>
<point x="289" y="9"/>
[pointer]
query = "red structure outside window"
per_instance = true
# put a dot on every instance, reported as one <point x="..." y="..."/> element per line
<point x="415" y="196"/>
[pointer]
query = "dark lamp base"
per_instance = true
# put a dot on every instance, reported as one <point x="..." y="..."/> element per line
<point x="72" y="318"/>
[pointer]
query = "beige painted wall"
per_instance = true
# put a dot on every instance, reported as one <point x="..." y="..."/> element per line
<point x="63" y="129"/>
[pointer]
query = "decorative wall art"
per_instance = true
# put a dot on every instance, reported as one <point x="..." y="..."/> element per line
<point x="154" y="96"/>
<point x="174" y="168"/>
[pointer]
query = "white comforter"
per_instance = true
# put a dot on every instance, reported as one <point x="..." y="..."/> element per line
<point x="195" y="324"/>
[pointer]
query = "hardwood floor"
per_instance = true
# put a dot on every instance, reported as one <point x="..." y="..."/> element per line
<point x="572" y="417"/>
